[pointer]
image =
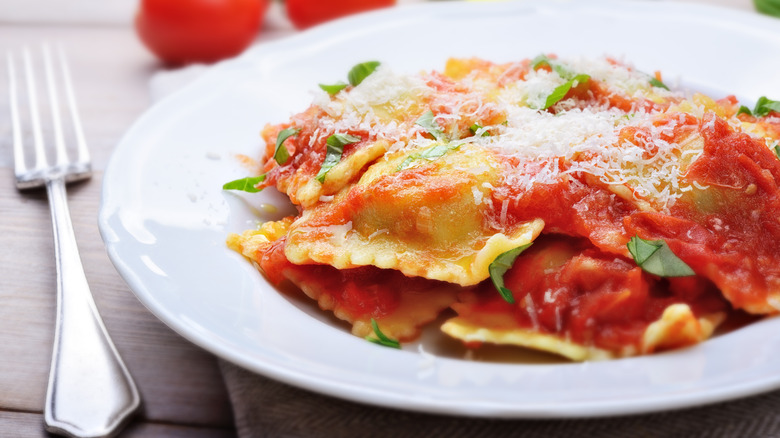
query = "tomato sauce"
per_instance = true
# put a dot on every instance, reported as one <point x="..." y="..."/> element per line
<point x="566" y="287"/>
<point x="728" y="232"/>
<point x="361" y="293"/>
<point x="725" y="232"/>
<point x="567" y="206"/>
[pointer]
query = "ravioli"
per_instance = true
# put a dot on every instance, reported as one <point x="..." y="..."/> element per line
<point x="400" y="305"/>
<point x="575" y="206"/>
<point x="427" y="220"/>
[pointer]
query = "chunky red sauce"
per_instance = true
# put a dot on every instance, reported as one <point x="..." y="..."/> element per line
<point x="727" y="234"/>
<point x="566" y="287"/>
<point x="730" y="232"/>
<point x="361" y="293"/>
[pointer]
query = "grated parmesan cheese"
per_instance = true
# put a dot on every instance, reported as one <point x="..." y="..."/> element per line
<point x="576" y="139"/>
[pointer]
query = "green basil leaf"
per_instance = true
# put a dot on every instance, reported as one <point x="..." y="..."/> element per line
<point x="656" y="83"/>
<point x="476" y="127"/>
<point x="431" y="153"/>
<point x="768" y="7"/>
<point x="361" y="71"/>
<point x="777" y="149"/>
<point x="280" y="153"/>
<point x="744" y="110"/>
<point x="334" y="88"/>
<point x="335" y="147"/>
<point x="498" y="268"/>
<point x="764" y="106"/>
<point x="381" y="338"/>
<point x="556" y="66"/>
<point x="245" y="184"/>
<point x="428" y="122"/>
<point x="563" y="71"/>
<point x="540" y="61"/>
<point x="655" y="257"/>
<point x="341" y="140"/>
<point x="560" y="91"/>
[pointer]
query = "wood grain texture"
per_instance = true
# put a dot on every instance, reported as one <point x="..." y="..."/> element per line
<point x="29" y="425"/>
<point x="180" y="383"/>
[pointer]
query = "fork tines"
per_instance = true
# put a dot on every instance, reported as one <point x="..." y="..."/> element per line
<point x="51" y="155"/>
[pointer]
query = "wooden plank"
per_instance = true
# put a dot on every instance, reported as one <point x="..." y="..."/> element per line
<point x="179" y="382"/>
<point x="30" y="425"/>
<point x="110" y="70"/>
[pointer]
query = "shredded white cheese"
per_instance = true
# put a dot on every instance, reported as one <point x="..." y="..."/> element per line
<point x="576" y="139"/>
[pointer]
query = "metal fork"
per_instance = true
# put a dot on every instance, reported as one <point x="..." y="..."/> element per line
<point x="90" y="392"/>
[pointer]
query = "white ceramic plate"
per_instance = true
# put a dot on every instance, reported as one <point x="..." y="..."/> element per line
<point x="164" y="216"/>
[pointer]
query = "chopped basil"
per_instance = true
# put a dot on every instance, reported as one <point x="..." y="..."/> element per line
<point x="334" y="88"/>
<point x="476" y="127"/>
<point x="768" y="7"/>
<point x="764" y="106"/>
<point x="498" y="268"/>
<point x="564" y="72"/>
<point x="539" y="61"/>
<point x="431" y="153"/>
<point x="280" y="153"/>
<point x="361" y="71"/>
<point x="560" y="91"/>
<point x="559" y="68"/>
<point x="381" y="338"/>
<point x="655" y="257"/>
<point x="428" y="122"/>
<point x="246" y="184"/>
<point x="335" y="147"/>
<point x="656" y="83"/>
<point x="355" y="77"/>
<point x="777" y="149"/>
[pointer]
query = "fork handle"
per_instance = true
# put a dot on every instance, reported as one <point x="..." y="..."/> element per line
<point x="90" y="391"/>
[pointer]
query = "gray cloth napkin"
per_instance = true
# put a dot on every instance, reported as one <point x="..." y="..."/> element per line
<point x="267" y="408"/>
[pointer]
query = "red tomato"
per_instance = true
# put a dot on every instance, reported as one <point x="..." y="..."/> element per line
<point x="186" y="31"/>
<point x="307" y="13"/>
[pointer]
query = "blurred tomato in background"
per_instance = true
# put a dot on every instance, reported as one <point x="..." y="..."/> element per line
<point x="307" y="13"/>
<point x="188" y="31"/>
<point x="183" y="32"/>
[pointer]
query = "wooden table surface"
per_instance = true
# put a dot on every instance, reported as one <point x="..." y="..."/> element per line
<point x="181" y="385"/>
